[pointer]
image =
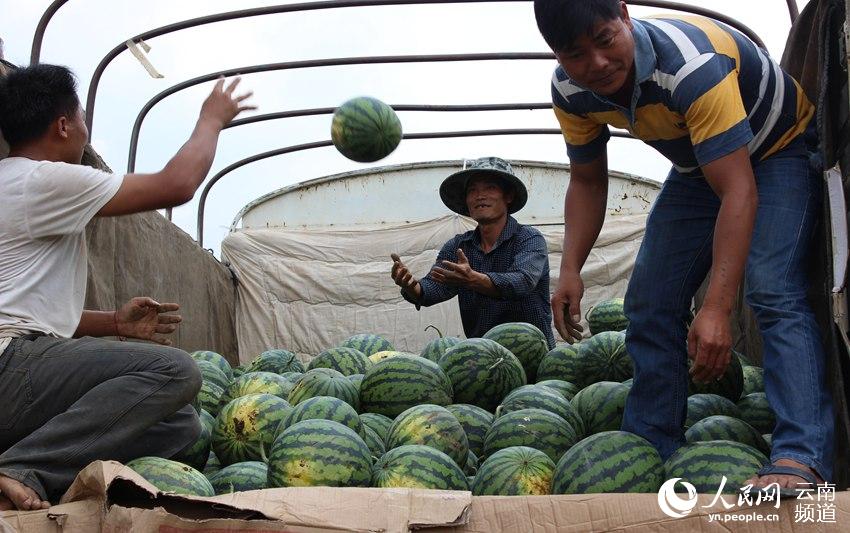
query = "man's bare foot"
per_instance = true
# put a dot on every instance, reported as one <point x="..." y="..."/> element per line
<point x="21" y="497"/>
<point x="784" y="480"/>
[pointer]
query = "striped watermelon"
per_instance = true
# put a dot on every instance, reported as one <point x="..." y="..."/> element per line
<point x="377" y="357"/>
<point x="605" y="357"/>
<point x="601" y="406"/>
<point x="198" y="452"/>
<point x="563" y="363"/>
<point x="432" y="426"/>
<point x="323" y="408"/>
<point x="704" y="405"/>
<point x="482" y="372"/>
<point x="213" y="465"/>
<point x="515" y="471"/>
<point x="277" y="361"/>
<point x="257" y="383"/>
<point x="364" y="129"/>
<point x="475" y="421"/>
<point x="703" y="465"/>
<point x="611" y="461"/>
<point x="367" y="343"/>
<point x="212" y="373"/>
<point x="416" y="466"/>
<point x="437" y="347"/>
<point x="525" y="341"/>
<point x="471" y="466"/>
<point x="380" y="424"/>
<point x="607" y="315"/>
<point x="324" y="382"/>
<point x="720" y="427"/>
<point x="238" y="371"/>
<point x="347" y="361"/>
<point x="171" y="476"/>
<point x="536" y="428"/>
<point x="730" y="385"/>
<point x="356" y="379"/>
<point x="315" y="453"/>
<point x="216" y="359"/>
<point x="756" y="411"/>
<point x="248" y="475"/>
<point x="374" y="442"/>
<point x="398" y="383"/>
<point x="245" y="428"/>
<point x="209" y="397"/>
<point x="540" y="397"/>
<point x="567" y="389"/>
<point x="753" y="380"/>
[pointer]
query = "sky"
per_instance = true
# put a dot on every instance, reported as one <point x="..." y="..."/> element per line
<point x="82" y="32"/>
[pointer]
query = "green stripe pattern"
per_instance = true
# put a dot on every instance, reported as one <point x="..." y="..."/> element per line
<point x="703" y="464"/>
<point x="238" y="477"/>
<point x="704" y="405"/>
<point x="245" y="428"/>
<point x="437" y="347"/>
<point x="379" y="423"/>
<point x="364" y="129"/>
<point x="319" y="453"/>
<point x="756" y="411"/>
<point x="601" y="406"/>
<point x="525" y="341"/>
<point x="471" y="466"/>
<point x="257" y="383"/>
<point x="215" y="358"/>
<point x="607" y="315"/>
<point x="565" y="363"/>
<point x="374" y="442"/>
<point x="323" y="408"/>
<point x="213" y="465"/>
<point x="213" y="374"/>
<point x="171" y="476"/>
<point x="568" y="390"/>
<point x="515" y="471"/>
<point x="367" y="343"/>
<point x="482" y="372"/>
<point x="401" y="382"/>
<point x="197" y="454"/>
<point x="606" y="358"/>
<point x="416" y="466"/>
<point x="475" y="421"/>
<point x="346" y="361"/>
<point x="431" y="425"/>
<point x="537" y="396"/>
<point x="727" y="428"/>
<point x="753" y="380"/>
<point x="277" y="361"/>
<point x="209" y="397"/>
<point x="730" y="385"/>
<point x="536" y="428"/>
<point x="611" y="461"/>
<point x="324" y="382"/>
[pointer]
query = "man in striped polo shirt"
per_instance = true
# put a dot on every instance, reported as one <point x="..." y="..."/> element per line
<point x="741" y="194"/>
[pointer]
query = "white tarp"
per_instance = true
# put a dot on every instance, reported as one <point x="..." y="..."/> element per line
<point x="306" y="290"/>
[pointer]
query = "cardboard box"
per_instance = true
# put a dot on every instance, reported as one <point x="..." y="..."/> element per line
<point x="109" y="497"/>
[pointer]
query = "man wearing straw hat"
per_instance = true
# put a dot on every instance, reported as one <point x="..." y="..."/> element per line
<point x="500" y="270"/>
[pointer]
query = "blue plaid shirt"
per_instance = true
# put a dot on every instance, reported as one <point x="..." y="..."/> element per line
<point x="518" y="265"/>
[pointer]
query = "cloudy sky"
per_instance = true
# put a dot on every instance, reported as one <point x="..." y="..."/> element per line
<point x="83" y="31"/>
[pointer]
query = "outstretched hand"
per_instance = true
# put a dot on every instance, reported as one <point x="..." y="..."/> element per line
<point x="458" y="274"/>
<point x="144" y="318"/>
<point x="221" y="106"/>
<point x="403" y="277"/>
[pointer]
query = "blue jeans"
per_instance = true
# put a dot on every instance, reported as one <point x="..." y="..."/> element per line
<point x="673" y="261"/>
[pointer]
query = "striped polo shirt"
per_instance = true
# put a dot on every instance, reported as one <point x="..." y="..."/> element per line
<point x="702" y="90"/>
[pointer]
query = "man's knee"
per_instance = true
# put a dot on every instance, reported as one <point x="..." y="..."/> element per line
<point x="183" y="372"/>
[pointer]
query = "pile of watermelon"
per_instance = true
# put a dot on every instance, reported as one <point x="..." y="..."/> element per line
<point x="498" y="415"/>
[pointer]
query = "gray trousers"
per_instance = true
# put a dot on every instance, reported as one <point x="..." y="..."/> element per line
<point x="67" y="402"/>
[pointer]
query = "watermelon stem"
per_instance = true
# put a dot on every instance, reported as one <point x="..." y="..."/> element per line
<point x="440" y="333"/>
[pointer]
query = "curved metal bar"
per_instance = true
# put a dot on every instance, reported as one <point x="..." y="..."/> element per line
<point x="793" y="10"/>
<point x="311" y="63"/>
<point x="335" y="4"/>
<point x="38" y="37"/>
<point x="397" y="107"/>
<point x="322" y="144"/>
